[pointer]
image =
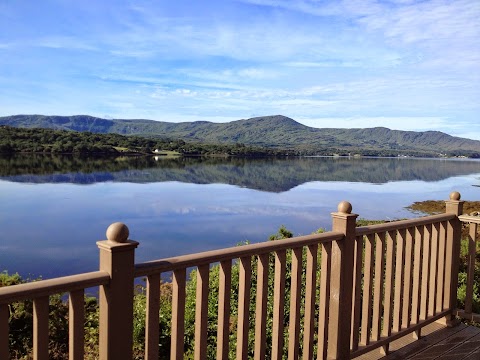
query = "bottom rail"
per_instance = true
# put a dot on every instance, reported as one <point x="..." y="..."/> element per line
<point x="467" y="316"/>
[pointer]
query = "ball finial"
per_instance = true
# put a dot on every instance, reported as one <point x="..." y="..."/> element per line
<point x="345" y="207"/>
<point x="117" y="232"/>
<point x="455" y="195"/>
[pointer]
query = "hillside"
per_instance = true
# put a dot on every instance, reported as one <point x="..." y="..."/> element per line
<point x="267" y="131"/>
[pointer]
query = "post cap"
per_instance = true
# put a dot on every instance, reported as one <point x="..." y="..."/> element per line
<point x="345" y="207"/>
<point x="455" y="195"/>
<point x="118" y="232"/>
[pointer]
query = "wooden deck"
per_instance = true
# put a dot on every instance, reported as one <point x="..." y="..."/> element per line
<point x="437" y="342"/>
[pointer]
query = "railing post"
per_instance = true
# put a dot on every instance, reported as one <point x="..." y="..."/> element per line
<point x="117" y="257"/>
<point x="452" y="250"/>
<point x="341" y="283"/>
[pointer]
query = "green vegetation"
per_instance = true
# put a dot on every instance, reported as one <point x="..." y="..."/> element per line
<point x="14" y="140"/>
<point x="22" y="140"/>
<point x="272" y="132"/>
<point x="437" y="207"/>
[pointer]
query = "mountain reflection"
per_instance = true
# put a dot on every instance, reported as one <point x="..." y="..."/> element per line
<point x="273" y="175"/>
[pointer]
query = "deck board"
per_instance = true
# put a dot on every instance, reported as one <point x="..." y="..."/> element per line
<point x="448" y="345"/>
<point x="437" y="342"/>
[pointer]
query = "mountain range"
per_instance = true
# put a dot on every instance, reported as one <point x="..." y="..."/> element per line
<point x="267" y="131"/>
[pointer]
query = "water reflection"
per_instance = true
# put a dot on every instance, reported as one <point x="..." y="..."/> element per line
<point x="50" y="221"/>
<point x="274" y="175"/>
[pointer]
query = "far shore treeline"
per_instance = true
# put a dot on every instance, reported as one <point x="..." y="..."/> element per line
<point x="20" y="140"/>
<point x="39" y="140"/>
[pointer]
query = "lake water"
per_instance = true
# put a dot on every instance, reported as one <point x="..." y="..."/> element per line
<point x="54" y="209"/>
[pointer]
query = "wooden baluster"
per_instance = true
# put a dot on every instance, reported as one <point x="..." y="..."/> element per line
<point x="224" y="295"/>
<point x="324" y="303"/>
<point x="399" y="276"/>
<point x="357" y="293"/>
<point x="367" y="291"/>
<point x="295" y="295"/>
<point x="261" y="307"/>
<point x="243" y="307"/>
<point x="40" y="328"/>
<point x="76" y="319"/>
<point x="152" y="331"/>
<point x="378" y="286"/>
<point x="472" y="253"/>
<point x="407" y="280"/>
<point x="432" y="294"/>
<point x="417" y="276"/>
<point x="178" y="314"/>
<point x="310" y="295"/>
<point x="389" y="286"/>
<point x="426" y="260"/>
<point x="441" y="267"/>
<point x="278" y="305"/>
<point x="201" y="312"/>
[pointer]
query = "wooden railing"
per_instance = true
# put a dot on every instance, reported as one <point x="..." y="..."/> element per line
<point x="403" y="275"/>
<point x="364" y="288"/>
<point x="40" y="291"/>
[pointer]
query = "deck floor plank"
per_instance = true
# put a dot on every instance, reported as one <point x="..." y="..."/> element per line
<point x="461" y="342"/>
<point x="447" y="344"/>
<point x="431" y="335"/>
<point x="464" y="349"/>
<point x="475" y="355"/>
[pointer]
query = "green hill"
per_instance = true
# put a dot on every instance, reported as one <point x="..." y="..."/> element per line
<point x="268" y="131"/>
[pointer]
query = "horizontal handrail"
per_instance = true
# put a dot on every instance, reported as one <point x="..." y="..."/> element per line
<point x="402" y="224"/>
<point x="36" y="289"/>
<point x="470" y="219"/>
<point x="208" y="257"/>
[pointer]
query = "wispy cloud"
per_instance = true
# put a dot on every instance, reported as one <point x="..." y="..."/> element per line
<point x="407" y="123"/>
<point x="65" y="42"/>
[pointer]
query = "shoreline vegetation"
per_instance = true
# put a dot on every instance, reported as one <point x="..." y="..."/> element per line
<point x="47" y="141"/>
<point x="432" y="207"/>
<point x="21" y="313"/>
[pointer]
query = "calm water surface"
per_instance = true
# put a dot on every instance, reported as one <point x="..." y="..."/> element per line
<point x="54" y="209"/>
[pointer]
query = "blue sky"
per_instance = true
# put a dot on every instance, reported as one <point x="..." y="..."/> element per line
<point x="402" y="64"/>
